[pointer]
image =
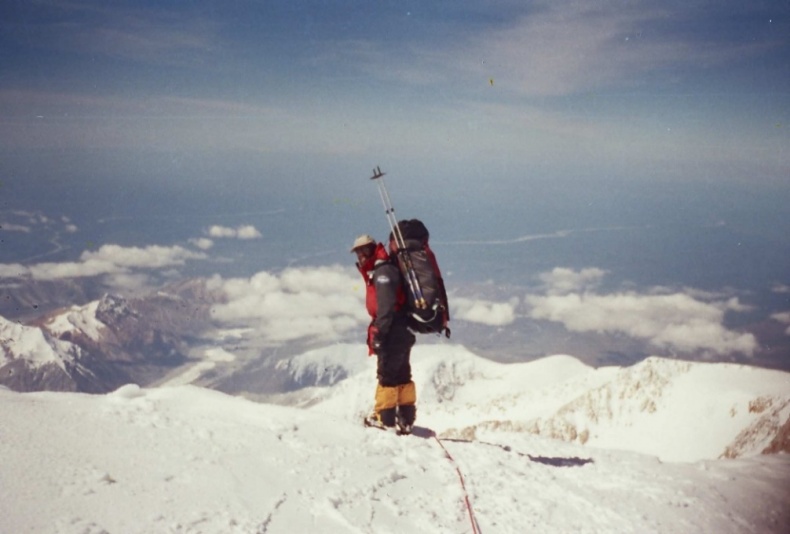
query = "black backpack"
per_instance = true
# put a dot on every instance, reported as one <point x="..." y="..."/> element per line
<point x="429" y="311"/>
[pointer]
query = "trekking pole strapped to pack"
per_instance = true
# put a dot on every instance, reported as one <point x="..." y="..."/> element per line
<point x="403" y="253"/>
<point x="427" y="302"/>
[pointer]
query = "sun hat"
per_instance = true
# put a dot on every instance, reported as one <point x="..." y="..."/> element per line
<point x="361" y="241"/>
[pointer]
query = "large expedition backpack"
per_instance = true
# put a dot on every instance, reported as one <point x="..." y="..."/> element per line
<point x="429" y="311"/>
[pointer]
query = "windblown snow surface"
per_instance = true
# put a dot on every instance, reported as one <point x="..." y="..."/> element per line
<point x="546" y="446"/>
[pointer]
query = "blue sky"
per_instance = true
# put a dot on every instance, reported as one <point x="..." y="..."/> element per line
<point x="648" y="140"/>
<point x="694" y="86"/>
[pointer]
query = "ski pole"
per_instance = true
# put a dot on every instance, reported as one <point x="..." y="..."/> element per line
<point x="385" y="197"/>
<point x="403" y="253"/>
<point x="388" y="209"/>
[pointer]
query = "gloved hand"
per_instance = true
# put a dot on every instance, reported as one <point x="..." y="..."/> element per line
<point x="374" y="341"/>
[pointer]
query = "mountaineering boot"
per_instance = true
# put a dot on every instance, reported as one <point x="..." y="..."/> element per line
<point x="406" y="416"/>
<point x="387" y="417"/>
<point x="384" y="419"/>
<point x="374" y="421"/>
<point x="404" y="430"/>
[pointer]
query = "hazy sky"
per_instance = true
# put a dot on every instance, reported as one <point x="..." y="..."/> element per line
<point x="599" y="87"/>
<point x="533" y="135"/>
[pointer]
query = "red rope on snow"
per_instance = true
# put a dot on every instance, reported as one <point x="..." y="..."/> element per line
<point x="472" y="518"/>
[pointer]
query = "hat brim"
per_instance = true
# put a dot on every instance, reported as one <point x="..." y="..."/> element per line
<point x="363" y="241"/>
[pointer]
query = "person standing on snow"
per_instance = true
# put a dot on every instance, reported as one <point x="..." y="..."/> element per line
<point x="388" y="336"/>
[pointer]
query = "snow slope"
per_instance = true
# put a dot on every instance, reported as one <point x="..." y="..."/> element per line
<point x="675" y="410"/>
<point x="190" y="460"/>
<point x="184" y="459"/>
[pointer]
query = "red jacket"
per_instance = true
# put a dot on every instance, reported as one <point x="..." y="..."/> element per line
<point x="384" y="295"/>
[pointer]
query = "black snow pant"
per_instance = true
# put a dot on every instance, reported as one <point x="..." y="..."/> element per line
<point x="394" y="357"/>
<point x="396" y="394"/>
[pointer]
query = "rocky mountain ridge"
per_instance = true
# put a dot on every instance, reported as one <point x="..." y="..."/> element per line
<point x="102" y="345"/>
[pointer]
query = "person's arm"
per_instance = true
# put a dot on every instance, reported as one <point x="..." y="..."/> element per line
<point x="386" y="280"/>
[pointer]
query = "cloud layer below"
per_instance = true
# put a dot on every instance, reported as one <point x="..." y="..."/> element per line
<point x="323" y="303"/>
<point x="107" y="260"/>
<point x="677" y="322"/>
<point x="327" y="303"/>
<point x="242" y="232"/>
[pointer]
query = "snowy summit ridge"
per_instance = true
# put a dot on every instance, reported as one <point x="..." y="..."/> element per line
<point x="675" y="410"/>
<point x="217" y="464"/>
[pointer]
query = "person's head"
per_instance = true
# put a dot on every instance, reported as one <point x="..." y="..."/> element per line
<point x="364" y="247"/>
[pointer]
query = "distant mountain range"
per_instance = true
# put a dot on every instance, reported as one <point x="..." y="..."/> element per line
<point x="105" y="344"/>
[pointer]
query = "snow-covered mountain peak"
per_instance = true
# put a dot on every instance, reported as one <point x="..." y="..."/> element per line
<point x="101" y="339"/>
<point x="633" y="390"/>
<point x="33" y="346"/>
<point x="76" y="320"/>
<point x="323" y="367"/>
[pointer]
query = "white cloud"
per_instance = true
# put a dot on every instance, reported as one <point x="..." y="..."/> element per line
<point x="221" y="231"/>
<point x="128" y="283"/>
<point x="202" y="243"/>
<point x="242" y="232"/>
<point x="109" y="259"/>
<point x="563" y="280"/>
<point x="27" y="222"/>
<point x="56" y="271"/>
<point x="677" y="322"/>
<point x="10" y="227"/>
<point x="13" y="270"/>
<point x="152" y="256"/>
<point x="69" y="226"/>
<point x="484" y="311"/>
<point x="321" y="302"/>
<point x="247" y="232"/>
<point x="783" y="317"/>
